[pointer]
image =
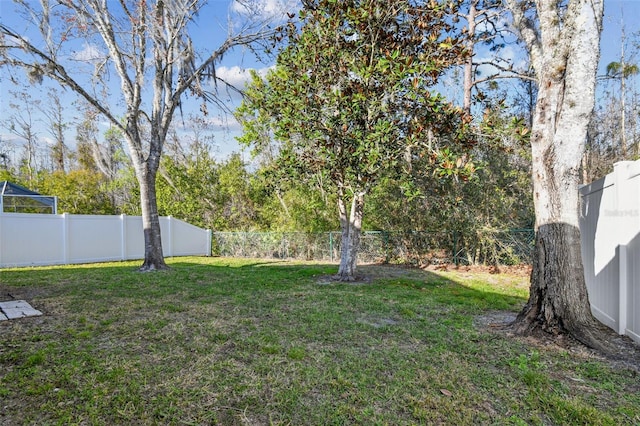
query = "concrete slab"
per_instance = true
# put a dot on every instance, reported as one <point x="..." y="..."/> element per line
<point x="3" y="317"/>
<point x="18" y="309"/>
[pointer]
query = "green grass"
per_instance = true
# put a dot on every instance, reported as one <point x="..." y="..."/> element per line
<point x="223" y="341"/>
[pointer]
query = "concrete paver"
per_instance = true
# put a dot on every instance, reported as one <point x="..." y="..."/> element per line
<point x="17" y="309"/>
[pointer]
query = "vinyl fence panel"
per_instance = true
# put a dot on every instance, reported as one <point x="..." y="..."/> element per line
<point x="134" y="238"/>
<point x="633" y="306"/>
<point x="191" y="241"/>
<point x="24" y="240"/>
<point x="599" y="251"/>
<point x="45" y="239"/>
<point x="94" y="238"/>
<point x="610" y="228"/>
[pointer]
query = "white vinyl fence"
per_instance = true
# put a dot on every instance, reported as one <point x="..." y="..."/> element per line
<point x="45" y="239"/>
<point x="610" y="227"/>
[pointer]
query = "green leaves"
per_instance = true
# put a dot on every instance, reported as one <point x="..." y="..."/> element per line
<point x="448" y="164"/>
<point x="621" y="70"/>
<point x="353" y="90"/>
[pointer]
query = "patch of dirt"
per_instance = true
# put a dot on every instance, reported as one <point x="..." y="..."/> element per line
<point x="495" y="319"/>
<point x="20" y="293"/>
<point x="37" y="296"/>
<point x="370" y="272"/>
<point x="518" y="270"/>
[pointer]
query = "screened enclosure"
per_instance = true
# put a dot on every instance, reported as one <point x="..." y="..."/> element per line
<point x="18" y="199"/>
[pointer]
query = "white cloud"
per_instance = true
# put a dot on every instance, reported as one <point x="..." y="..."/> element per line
<point x="89" y="53"/>
<point x="9" y="139"/>
<point x="265" y="9"/>
<point x="237" y="76"/>
<point x="49" y="141"/>
<point x="226" y="124"/>
<point x="508" y="55"/>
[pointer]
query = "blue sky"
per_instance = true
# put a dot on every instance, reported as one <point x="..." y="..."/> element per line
<point x="211" y="29"/>
<point x="208" y="32"/>
<point x="616" y="12"/>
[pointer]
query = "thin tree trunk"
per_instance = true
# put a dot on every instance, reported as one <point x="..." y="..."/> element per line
<point x="468" y="62"/>
<point x="623" y="97"/>
<point x="351" y="228"/>
<point x="146" y="173"/>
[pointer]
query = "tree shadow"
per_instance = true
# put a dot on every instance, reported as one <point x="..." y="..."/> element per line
<point x="191" y="274"/>
<point x="203" y="280"/>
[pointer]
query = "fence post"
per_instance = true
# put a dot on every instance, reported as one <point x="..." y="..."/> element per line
<point x="209" y="242"/>
<point x="454" y="255"/>
<point x="623" y="290"/>
<point x="170" y="237"/>
<point x="387" y="255"/>
<point x="65" y="238"/>
<point x="624" y="227"/>
<point x="123" y="237"/>
<point x="244" y="244"/>
<point x="331" y="246"/>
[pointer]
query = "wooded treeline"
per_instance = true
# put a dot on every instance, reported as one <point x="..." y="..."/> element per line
<point x="93" y="174"/>
<point x="240" y="194"/>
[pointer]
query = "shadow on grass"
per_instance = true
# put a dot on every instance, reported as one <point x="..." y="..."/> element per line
<point x="236" y="341"/>
<point x="195" y="277"/>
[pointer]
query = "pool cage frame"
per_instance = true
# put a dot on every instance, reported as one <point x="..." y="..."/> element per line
<point x="23" y="200"/>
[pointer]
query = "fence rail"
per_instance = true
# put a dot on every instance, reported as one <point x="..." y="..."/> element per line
<point x="508" y="247"/>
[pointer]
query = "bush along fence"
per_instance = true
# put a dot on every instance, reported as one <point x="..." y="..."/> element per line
<point x="489" y="247"/>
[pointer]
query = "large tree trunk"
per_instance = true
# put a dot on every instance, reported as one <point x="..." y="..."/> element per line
<point x="351" y="228"/>
<point x="153" y="255"/>
<point x="565" y="56"/>
<point x="558" y="300"/>
<point x="146" y="172"/>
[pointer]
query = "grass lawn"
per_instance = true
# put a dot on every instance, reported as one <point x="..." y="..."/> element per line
<point x="227" y="341"/>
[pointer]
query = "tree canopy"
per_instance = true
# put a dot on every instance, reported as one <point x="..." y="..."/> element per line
<point x="352" y="97"/>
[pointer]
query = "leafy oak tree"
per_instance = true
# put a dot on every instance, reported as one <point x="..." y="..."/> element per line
<point x="563" y="38"/>
<point x="146" y="46"/>
<point x="351" y="98"/>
